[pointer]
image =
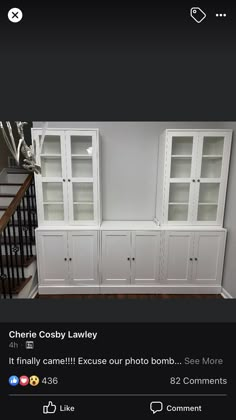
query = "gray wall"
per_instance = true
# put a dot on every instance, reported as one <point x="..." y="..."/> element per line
<point x="129" y="169"/>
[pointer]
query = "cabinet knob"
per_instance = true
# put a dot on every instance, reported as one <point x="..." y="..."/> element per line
<point x="133" y="258"/>
<point x="128" y="258"/>
<point x="191" y="259"/>
<point x="70" y="259"/>
<point x="65" y="259"/>
<point x="198" y="180"/>
<point x="68" y="180"/>
<point x="193" y="180"/>
<point x="64" y="180"/>
<point x="195" y="259"/>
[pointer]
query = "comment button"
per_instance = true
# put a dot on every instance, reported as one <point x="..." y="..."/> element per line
<point x="156" y="407"/>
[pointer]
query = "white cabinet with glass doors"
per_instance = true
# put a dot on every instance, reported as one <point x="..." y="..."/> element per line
<point x="192" y="185"/>
<point x="68" y="187"/>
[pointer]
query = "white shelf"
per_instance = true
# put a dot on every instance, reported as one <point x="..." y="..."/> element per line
<point x="182" y="156"/>
<point x="178" y="203"/>
<point x="50" y="155"/>
<point x="83" y="202"/>
<point x="208" y="204"/>
<point x="82" y="156"/>
<point x="82" y="180"/>
<point x="213" y="156"/>
<point x="53" y="202"/>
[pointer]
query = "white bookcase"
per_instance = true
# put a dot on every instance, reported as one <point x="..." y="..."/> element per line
<point x="68" y="189"/>
<point x="192" y="178"/>
<point x="181" y="251"/>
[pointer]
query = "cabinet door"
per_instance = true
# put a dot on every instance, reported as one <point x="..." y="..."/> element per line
<point x="180" y="167"/>
<point x="178" y="255"/>
<point x="116" y="257"/>
<point x="52" y="258"/>
<point x="208" y="257"/>
<point x="83" y="176"/>
<point x="52" y="202"/>
<point x="83" y="257"/>
<point x="211" y="177"/>
<point x="145" y="257"/>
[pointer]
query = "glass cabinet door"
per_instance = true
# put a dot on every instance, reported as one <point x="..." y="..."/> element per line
<point x="53" y="191"/>
<point x="82" y="176"/>
<point x="209" y="177"/>
<point x="181" y="172"/>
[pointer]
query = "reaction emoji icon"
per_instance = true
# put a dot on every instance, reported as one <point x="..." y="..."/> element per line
<point x="24" y="380"/>
<point x="34" y="380"/>
<point x="13" y="380"/>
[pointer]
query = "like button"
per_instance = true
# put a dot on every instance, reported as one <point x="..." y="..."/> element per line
<point x="50" y="408"/>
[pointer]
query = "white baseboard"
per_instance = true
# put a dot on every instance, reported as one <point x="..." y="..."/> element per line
<point x="127" y="289"/>
<point x="225" y="294"/>
<point x="33" y="292"/>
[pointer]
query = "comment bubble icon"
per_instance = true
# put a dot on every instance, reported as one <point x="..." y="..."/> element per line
<point x="156" y="407"/>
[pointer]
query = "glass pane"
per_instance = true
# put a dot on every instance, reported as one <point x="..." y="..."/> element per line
<point x="82" y="168"/>
<point x="182" y="145"/>
<point x="83" y="212"/>
<point x="207" y="213"/>
<point x="180" y="167"/>
<point x="81" y="145"/>
<point x="211" y="167"/>
<point x="83" y="192"/>
<point x="52" y="191"/>
<point x="179" y="193"/>
<point x="51" y="144"/>
<point x="53" y="212"/>
<point x="178" y="212"/>
<point x="209" y="193"/>
<point x="51" y="167"/>
<point x="213" y="146"/>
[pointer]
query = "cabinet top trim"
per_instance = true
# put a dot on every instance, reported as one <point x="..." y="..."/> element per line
<point x="64" y="129"/>
<point x="201" y="130"/>
<point x="132" y="225"/>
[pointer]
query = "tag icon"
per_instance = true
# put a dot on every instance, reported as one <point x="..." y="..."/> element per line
<point x="197" y="14"/>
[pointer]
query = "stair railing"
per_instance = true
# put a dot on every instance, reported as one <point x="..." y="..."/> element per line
<point x="17" y="236"/>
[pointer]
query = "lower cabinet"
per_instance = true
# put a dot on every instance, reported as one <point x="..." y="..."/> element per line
<point x="67" y="261"/>
<point x="164" y="261"/>
<point x="130" y="258"/>
<point x="193" y="258"/>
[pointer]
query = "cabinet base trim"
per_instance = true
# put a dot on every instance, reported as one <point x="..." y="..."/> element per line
<point x="79" y="290"/>
<point x="161" y="289"/>
<point x="68" y="290"/>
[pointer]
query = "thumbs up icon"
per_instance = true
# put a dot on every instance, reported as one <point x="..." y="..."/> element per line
<point x="50" y="408"/>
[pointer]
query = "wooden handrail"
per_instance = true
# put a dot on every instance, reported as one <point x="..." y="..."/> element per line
<point x="15" y="202"/>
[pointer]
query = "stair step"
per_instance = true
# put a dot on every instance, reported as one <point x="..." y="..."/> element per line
<point x="26" y="262"/>
<point x="15" y="241"/>
<point x="16" y="224"/>
<point x="16" y="171"/>
<point x="16" y="289"/>
<point x="4" y="208"/>
<point x="11" y="183"/>
<point x="16" y="177"/>
<point x="7" y="195"/>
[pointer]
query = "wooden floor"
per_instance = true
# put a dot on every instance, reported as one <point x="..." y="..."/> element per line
<point x="129" y="297"/>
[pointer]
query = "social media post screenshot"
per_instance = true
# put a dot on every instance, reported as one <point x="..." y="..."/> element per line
<point x="136" y="369"/>
<point x="117" y="210"/>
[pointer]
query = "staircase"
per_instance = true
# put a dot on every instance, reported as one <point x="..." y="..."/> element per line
<point x="18" y="220"/>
